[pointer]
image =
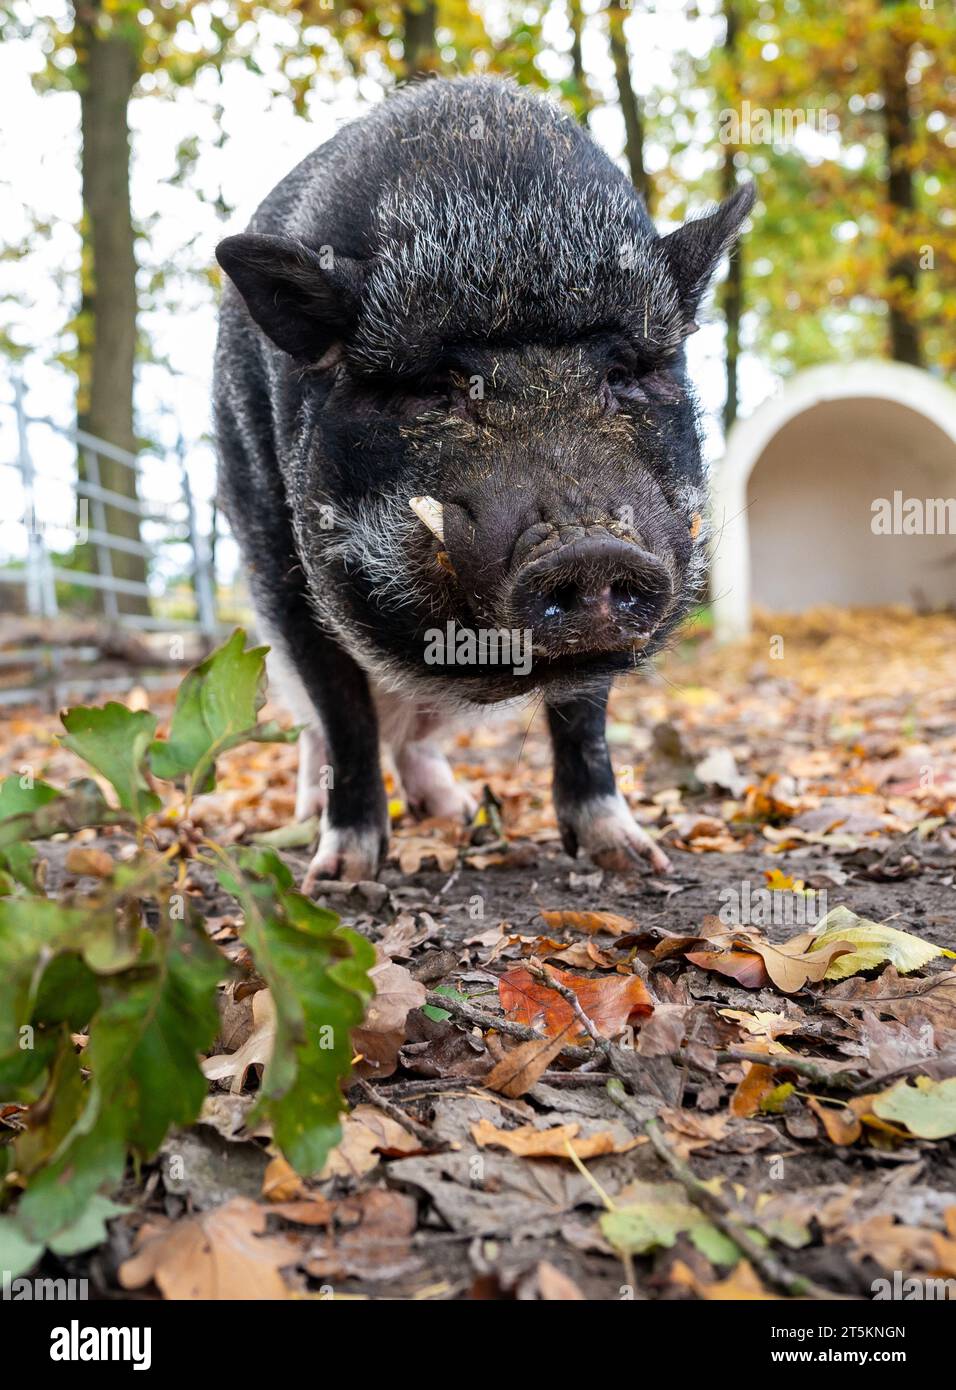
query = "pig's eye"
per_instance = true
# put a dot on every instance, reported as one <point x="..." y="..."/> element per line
<point x="623" y="386"/>
<point x="620" y="386"/>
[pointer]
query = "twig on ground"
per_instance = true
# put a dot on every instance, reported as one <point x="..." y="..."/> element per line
<point x="848" y="1080"/>
<point x="422" y="1133"/>
<point x="412" y="1090"/>
<point x="477" y="1018"/>
<point x="735" y="1227"/>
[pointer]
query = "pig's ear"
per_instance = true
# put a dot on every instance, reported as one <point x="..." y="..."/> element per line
<point x="301" y="299"/>
<point x="695" y="249"/>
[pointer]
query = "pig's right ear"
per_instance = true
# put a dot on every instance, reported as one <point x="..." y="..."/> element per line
<point x="303" y="300"/>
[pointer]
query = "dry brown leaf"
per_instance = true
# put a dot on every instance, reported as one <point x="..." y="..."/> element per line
<point x="554" y="1286"/>
<point x="893" y="1246"/>
<point x="528" y="1142"/>
<point x="758" y="1081"/>
<point x="88" y="863"/>
<point x="382" y="1033"/>
<point x="367" y="1133"/>
<point x="255" y="1051"/>
<point x="741" y="1285"/>
<point x="280" y="1181"/>
<point x="414" y="851"/>
<point x="314" y="1210"/>
<point x="220" y="1254"/>
<point x="520" y="1068"/>
<point x="906" y="999"/>
<point x="745" y="967"/>
<point x="589" y="921"/>
<point x="841" y="1122"/>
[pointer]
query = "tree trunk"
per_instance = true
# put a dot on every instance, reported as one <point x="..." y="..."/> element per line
<point x="629" y="103"/>
<point x="108" y="68"/>
<point x="420" y="47"/>
<point x="905" y="345"/>
<point x="732" y="292"/>
<point x="583" y="96"/>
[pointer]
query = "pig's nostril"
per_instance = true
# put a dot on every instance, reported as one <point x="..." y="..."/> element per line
<point x="625" y="599"/>
<point x="561" y="602"/>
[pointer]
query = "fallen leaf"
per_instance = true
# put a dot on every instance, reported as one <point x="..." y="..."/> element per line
<point x="414" y="851"/>
<point x="255" y="1051"/>
<point x="933" y="999"/>
<point x="927" y="1109"/>
<point x="89" y="863"/>
<point x="218" y="1255"/>
<point x="745" y="967"/>
<point x="367" y="1134"/>
<point x="758" y="1082"/>
<point x="280" y="1181"/>
<point x="554" y="1286"/>
<point x="741" y="1285"/>
<point x="382" y="1031"/>
<point x="608" y="1002"/>
<point x="527" y="1142"/>
<point x="520" y="1068"/>
<point x="651" y="1215"/>
<point x="874" y="945"/>
<point x="589" y="921"/>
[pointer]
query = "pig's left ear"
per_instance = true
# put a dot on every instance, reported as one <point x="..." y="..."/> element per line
<point x="303" y="300"/>
<point x="695" y="249"/>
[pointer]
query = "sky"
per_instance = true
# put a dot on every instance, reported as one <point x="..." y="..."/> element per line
<point x="246" y="152"/>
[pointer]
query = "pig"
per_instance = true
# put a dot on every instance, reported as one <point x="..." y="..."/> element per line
<point x="459" y="448"/>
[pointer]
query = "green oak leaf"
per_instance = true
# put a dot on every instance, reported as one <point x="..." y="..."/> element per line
<point x="317" y="973"/>
<point x="114" y="740"/>
<point x="154" y="1019"/>
<point x="217" y="707"/>
<point x="17" y="799"/>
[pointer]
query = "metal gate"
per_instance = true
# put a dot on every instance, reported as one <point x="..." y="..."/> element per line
<point x="43" y="488"/>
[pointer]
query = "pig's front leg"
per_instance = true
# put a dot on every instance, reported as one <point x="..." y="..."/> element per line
<point x="592" y="814"/>
<point x="353" y="834"/>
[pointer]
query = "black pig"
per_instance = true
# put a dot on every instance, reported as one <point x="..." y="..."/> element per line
<point x="458" y="446"/>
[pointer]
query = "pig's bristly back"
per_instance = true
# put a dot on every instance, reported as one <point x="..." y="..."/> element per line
<point x="480" y="213"/>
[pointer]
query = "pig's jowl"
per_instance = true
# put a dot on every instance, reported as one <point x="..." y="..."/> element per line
<point x="459" y="448"/>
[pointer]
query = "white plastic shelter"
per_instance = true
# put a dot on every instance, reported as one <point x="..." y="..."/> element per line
<point x="839" y="489"/>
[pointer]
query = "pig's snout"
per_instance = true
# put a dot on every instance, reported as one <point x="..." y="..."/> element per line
<point x="592" y="593"/>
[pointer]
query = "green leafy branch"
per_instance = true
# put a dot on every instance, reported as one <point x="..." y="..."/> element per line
<point x="108" y="997"/>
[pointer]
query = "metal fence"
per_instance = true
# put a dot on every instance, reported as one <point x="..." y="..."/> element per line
<point x="58" y="497"/>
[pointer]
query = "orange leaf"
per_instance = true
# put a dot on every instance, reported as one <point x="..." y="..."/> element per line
<point x="743" y="966"/>
<point x="608" y="1002"/>
<point x="757" y="1083"/>
<point x="589" y="921"/>
<point x="528" y="1142"/>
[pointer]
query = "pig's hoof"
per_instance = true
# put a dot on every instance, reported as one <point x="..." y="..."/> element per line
<point x="344" y="852"/>
<point x="605" y="829"/>
<point x="448" y="803"/>
<point x="429" y="784"/>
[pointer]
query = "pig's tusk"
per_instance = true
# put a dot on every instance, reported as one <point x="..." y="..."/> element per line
<point x="429" y="512"/>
